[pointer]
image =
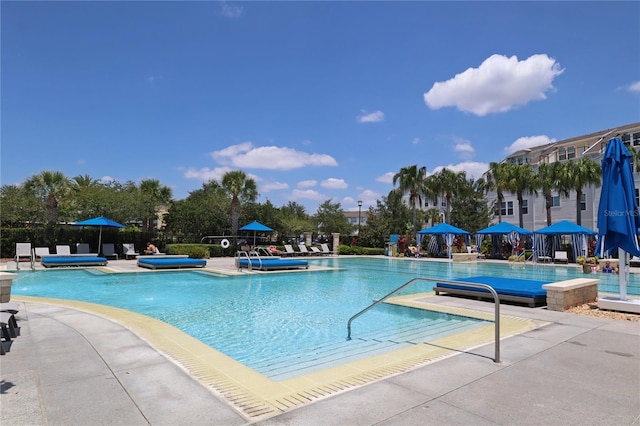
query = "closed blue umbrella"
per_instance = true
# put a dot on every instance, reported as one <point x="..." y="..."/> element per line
<point x="100" y="221"/>
<point x="618" y="219"/>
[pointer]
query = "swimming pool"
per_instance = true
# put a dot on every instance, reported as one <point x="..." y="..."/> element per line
<point x="265" y="321"/>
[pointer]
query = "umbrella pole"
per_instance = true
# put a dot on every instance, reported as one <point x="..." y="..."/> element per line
<point x="100" y="241"/>
<point x="623" y="272"/>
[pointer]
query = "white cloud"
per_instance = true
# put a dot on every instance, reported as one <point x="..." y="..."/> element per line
<point x="372" y="117"/>
<point x="527" y="142"/>
<point x="497" y="85"/>
<point x="307" y="183"/>
<point x="307" y="194"/>
<point x="245" y="155"/>
<point x="107" y="179"/>
<point x="473" y="169"/>
<point x="634" y="87"/>
<point x="386" y="178"/>
<point x="333" y="183"/>
<point x="274" y="186"/>
<point x="229" y="11"/>
<point x="464" y="148"/>
<point x="206" y="174"/>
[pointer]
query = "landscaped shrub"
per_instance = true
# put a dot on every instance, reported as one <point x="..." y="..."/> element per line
<point x="194" y="251"/>
<point x="357" y="250"/>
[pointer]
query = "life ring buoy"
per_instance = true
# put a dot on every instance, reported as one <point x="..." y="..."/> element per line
<point x="224" y="243"/>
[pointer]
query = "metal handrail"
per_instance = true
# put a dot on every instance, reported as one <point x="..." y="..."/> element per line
<point x="496" y="300"/>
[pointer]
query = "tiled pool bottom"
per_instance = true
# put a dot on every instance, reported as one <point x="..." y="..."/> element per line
<point x="256" y="396"/>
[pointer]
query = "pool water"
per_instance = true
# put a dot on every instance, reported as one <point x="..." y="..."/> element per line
<point x="257" y="318"/>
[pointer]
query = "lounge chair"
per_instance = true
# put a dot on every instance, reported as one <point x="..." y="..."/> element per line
<point x="23" y="250"/>
<point x="38" y="252"/>
<point x="561" y="257"/>
<point x="63" y="250"/>
<point x="315" y="250"/>
<point x="83" y="248"/>
<point x="109" y="250"/>
<point x="325" y="249"/>
<point x="129" y="250"/>
<point x="303" y="250"/>
<point x="290" y="250"/>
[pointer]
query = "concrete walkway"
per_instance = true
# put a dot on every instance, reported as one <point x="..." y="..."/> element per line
<point x="70" y="367"/>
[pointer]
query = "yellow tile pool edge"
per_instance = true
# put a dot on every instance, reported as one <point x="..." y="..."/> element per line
<point x="257" y="397"/>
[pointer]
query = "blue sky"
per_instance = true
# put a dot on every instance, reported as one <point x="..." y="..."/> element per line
<point x="315" y="100"/>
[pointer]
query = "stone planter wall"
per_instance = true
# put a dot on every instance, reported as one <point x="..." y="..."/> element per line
<point x="6" y="281"/>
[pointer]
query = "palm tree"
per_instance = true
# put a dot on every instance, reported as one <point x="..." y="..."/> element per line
<point x="581" y="173"/>
<point x="447" y="183"/>
<point x="49" y="186"/>
<point x="550" y="178"/>
<point x="522" y="179"/>
<point x="495" y="179"/>
<point x="411" y="180"/>
<point x="154" y="195"/>
<point x="238" y="185"/>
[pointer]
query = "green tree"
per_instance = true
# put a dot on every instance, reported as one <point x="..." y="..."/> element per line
<point x="411" y="180"/>
<point x="469" y="210"/>
<point x="581" y="173"/>
<point x="240" y="188"/>
<point x="49" y="186"/>
<point x="19" y="206"/>
<point x="447" y="183"/>
<point x="496" y="179"/>
<point x="330" y="218"/>
<point x="521" y="179"/>
<point x="550" y="178"/>
<point x="294" y="220"/>
<point x="153" y="196"/>
<point x="202" y="213"/>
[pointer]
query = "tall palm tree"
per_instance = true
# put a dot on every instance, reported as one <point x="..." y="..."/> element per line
<point x="155" y="195"/>
<point x="550" y="178"/>
<point x="238" y="186"/>
<point x="495" y="179"/>
<point x="447" y="183"/>
<point x="49" y="186"/>
<point x="411" y="180"/>
<point x="581" y="173"/>
<point x="522" y="179"/>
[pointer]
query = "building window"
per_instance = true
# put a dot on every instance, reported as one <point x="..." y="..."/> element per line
<point x="571" y="153"/>
<point x="562" y="154"/>
<point x="583" y="202"/>
<point x="525" y="206"/>
<point x="636" y="139"/>
<point x="444" y="202"/>
<point x="426" y="203"/>
<point x="555" y="201"/>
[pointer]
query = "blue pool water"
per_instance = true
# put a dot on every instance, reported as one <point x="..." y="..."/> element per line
<point x="253" y="318"/>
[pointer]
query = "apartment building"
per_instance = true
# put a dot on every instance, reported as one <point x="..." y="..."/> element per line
<point x="591" y="146"/>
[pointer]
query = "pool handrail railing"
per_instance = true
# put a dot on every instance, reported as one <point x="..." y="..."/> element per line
<point x="496" y="299"/>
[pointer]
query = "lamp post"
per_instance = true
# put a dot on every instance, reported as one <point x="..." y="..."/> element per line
<point x="359" y="211"/>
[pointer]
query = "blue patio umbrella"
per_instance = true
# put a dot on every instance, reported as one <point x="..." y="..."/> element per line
<point x="255" y="226"/>
<point x="618" y="219"/>
<point x="100" y="221"/>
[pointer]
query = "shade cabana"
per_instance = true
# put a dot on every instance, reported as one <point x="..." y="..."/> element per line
<point x="514" y="234"/>
<point x="447" y="231"/>
<point x="255" y="226"/>
<point x="579" y="237"/>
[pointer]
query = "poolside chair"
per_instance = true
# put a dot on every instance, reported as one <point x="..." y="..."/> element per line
<point x="315" y="250"/>
<point x="23" y="250"/>
<point x="109" y="250"/>
<point x="38" y="252"/>
<point x="83" y="248"/>
<point x="561" y="257"/>
<point x="303" y="250"/>
<point x="290" y="250"/>
<point x="129" y="250"/>
<point x="325" y="249"/>
<point x="64" y="250"/>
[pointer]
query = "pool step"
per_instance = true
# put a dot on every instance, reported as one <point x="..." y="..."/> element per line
<point x="361" y="346"/>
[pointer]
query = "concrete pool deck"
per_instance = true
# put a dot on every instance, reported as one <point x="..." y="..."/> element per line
<point x="74" y="367"/>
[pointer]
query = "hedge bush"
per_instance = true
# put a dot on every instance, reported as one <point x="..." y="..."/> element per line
<point x="357" y="250"/>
